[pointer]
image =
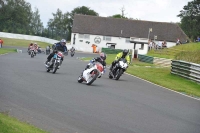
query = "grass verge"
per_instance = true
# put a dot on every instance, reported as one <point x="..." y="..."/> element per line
<point x="7" y="50"/>
<point x="22" y="43"/>
<point x="11" y="125"/>
<point x="160" y="76"/>
<point x="171" y="53"/>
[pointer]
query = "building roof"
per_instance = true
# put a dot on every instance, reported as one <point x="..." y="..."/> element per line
<point x="106" y="26"/>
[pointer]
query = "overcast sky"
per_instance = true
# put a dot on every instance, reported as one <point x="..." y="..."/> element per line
<point x="150" y="10"/>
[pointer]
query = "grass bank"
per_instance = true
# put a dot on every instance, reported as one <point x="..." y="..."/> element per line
<point x="12" y="125"/>
<point x="160" y="76"/>
<point x="22" y="43"/>
<point x="173" y="52"/>
<point x="7" y="50"/>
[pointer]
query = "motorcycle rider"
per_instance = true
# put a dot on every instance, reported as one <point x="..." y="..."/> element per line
<point x="35" y="46"/>
<point x="123" y="54"/>
<point x="100" y="59"/>
<point x="72" y="49"/>
<point x="61" y="46"/>
<point x="29" y="47"/>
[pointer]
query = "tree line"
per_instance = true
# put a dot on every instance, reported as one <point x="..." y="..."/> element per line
<point x="190" y="19"/>
<point x="17" y="16"/>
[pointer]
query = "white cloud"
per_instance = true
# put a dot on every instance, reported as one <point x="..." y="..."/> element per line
<point x="151" y="10"/>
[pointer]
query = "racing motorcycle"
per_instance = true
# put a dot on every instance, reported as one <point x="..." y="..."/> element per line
<point x="118" y="69"/>
<point x="55" y="63"/>
<point x="92" y="73"/>
<point x="72" y="53"/>
<point x="32" y="52"/>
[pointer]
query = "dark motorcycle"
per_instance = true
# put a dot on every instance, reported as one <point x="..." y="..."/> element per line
<point x="55" y="63"/>
<point x="72" y="53"/>
<point x="118" y="69"/>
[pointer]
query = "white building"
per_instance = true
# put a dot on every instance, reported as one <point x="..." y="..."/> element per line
<point x="117" y="33"/>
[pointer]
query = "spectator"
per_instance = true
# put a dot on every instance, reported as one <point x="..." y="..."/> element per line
<point x="150" y="44"/>
<point x="164" y="44"/>
<point x="1" y="43"/>
<point x="198" y="39"/>
<point x="153" y="45"/>
<point x="159" y="45"/>
<point x="178" y="42"/>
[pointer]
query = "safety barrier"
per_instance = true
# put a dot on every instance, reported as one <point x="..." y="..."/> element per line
<point x="111" y="51"/>
<point x="155" y="60"/>
<point x="27" y="37"/>
<point x="145" y="58"/>
<point x="186" y="69"/>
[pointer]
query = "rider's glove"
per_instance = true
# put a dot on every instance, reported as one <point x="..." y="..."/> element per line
<point x="91" y="61"/>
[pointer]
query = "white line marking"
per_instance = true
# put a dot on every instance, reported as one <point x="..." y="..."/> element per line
<point x="164" y="87"/>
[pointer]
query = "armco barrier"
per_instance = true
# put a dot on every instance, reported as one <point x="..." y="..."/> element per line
<point x="27" y="37"/>
<point x="111" y="51"/>
<point x="186" y="69"/>
<point x="144" y="58"/>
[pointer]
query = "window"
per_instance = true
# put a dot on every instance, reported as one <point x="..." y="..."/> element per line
<point x="107" y="38"/>
<point x="81" y="35"/>
<point x="85" y="36"/>
<point x="127" y="40"/>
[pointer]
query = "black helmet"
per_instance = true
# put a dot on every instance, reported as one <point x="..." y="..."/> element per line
<point x="125" y="52"/>
<point x="103" y="56"/>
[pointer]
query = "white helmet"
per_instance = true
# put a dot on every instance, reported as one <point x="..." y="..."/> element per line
<point x="63" y="40"/>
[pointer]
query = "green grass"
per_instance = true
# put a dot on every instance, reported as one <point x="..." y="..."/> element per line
<point x="22" y="43"/>
<point x="11" y="125"/>
<point x="171" y="53"/>
<point x="160" y="76"/>
<point x="7" y="50"/>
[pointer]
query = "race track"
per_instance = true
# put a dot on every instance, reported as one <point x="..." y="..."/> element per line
<point x="59" y="104"/>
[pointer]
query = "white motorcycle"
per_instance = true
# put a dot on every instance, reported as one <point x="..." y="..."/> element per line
<point x="56" y="62"/>
<point x="96" y="70"/>
<point x="118" y="69"/>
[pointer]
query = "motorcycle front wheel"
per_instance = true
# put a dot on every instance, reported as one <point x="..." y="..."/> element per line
<point x="55" y="67"/>
<point x="32" y="54"/>
<point x="80" y="80"/>
<point x="118" y="74"/>
<point x="93" y="78"/>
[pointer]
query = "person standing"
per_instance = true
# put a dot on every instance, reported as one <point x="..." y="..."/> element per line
<point x="1" y="43"/>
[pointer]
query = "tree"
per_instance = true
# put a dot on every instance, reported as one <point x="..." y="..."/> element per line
<point x="36" y="24"/>
<point x="122" y="15"/>
<point x="16" y="16"/>
<point x="79" y="10"/>
<point x="59" y="25"/>
<point x="190" y="19"/>
<point x="116" y="16"/>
